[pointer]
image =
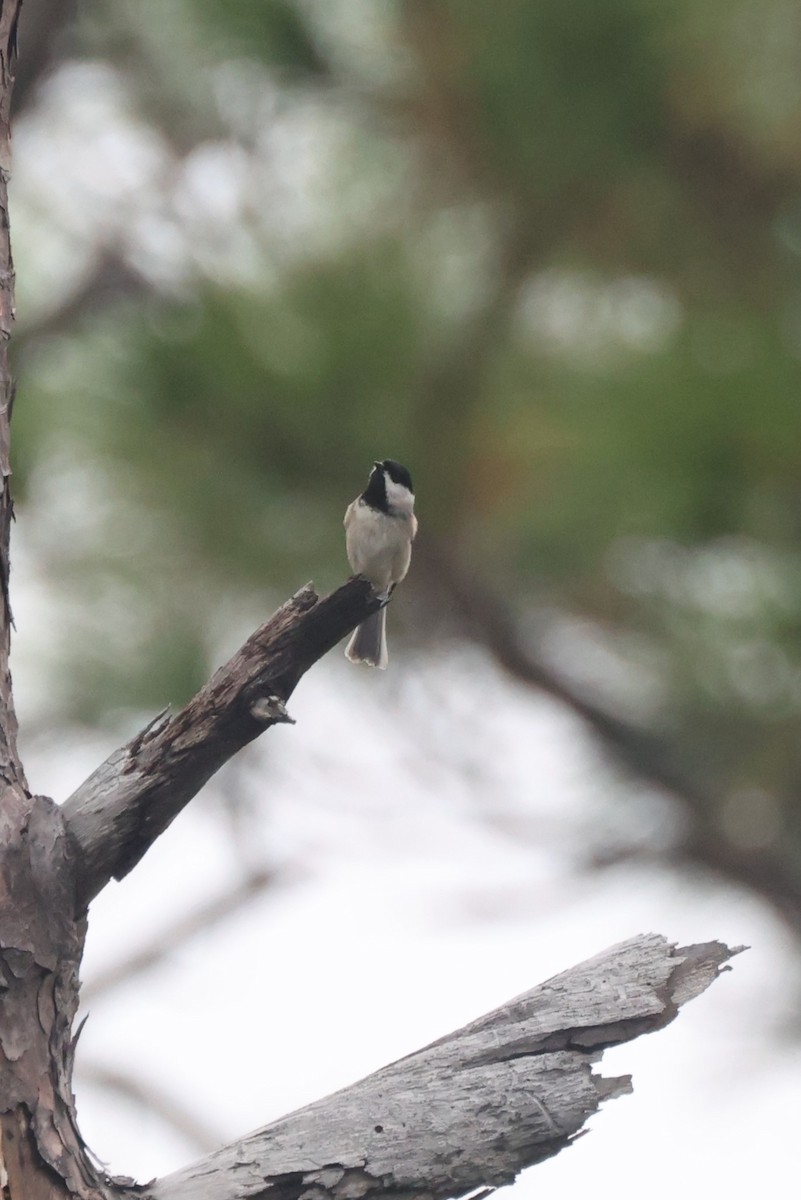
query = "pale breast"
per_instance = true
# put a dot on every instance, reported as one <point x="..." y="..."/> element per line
<point x="379" y="547"/>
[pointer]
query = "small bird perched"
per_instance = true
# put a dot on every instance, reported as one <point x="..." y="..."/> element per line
<point x="379" y="530"/>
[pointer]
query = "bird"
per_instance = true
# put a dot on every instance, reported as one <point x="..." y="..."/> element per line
<point x="380" y="527"/>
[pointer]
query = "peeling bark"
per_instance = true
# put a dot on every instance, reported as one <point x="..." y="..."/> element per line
<point x="475" y="1107"/>
<point x="40" y="951"/>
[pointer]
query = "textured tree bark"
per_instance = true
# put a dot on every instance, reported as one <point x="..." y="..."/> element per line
<point x="136" y="793"/>
<point x="10" y="769"/>
<point x="474" y="1108"/>
<point x="41" y="1157"/>
<point x="40" y="951"/>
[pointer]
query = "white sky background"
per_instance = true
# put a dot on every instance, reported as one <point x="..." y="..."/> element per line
<point x="426" y="820"/>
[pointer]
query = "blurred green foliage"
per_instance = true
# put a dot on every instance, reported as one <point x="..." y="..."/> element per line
<point x="545" y="252"/>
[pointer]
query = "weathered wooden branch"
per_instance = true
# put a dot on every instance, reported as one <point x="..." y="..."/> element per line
<point x="130" y="800"/>
<point x="474" y="1108"/>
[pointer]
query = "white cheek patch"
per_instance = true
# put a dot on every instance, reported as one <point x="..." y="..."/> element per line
<point x="398" y="496"/>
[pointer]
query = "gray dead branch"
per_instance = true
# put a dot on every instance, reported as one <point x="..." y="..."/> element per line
<point x="130" y="799"/>
<point x="474" y="1108"/>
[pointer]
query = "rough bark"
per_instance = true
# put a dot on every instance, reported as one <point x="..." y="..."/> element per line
<point x="40" y="951"/>
<point x="475" y="1107"/>
<point x="40" y="1153"/>
<point x="136" y="793"/>
<point x="10" y="769"/>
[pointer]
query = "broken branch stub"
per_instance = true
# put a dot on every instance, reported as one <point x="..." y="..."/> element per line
<point x="120" y="810"/>
<point x="474" y="1108"/>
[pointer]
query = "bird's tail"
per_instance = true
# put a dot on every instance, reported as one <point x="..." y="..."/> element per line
<point x="369" y="641"/>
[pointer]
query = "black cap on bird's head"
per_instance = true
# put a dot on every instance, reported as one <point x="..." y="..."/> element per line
<point x="396" y="472"/>
<point x="375" y="494"/>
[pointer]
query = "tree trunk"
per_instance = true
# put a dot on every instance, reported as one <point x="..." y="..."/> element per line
<point x="40" y="944"/>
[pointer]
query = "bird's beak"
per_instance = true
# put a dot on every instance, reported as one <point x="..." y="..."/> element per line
<point x="376" y="464"/>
